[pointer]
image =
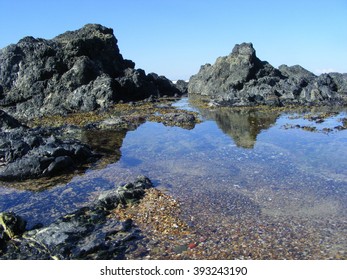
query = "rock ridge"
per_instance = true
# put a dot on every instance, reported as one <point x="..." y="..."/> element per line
<point x="242" y="79"/>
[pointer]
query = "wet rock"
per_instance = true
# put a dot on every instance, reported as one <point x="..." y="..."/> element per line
<point x="126" y="194"/>
<point x="183" y="119"/>
<point x="242" y="79"/>
<point x="11" y="225"/>
<point x="179" y="118"/>
<point x="34" y="153"/>
<point x="88" y="233"/>
<point x="60" y="164"/>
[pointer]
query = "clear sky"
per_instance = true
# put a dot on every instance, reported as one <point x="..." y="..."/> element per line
<point x="175" y="37"/>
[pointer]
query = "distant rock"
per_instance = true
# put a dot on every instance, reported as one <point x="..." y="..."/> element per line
<point x="80" y="70"/>
<point x="182" y="86"/>
<point x="242" y="79"/>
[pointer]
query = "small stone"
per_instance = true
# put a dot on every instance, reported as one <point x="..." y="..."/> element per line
<point x="180" y="249"/>
<point x="202" y="239"/>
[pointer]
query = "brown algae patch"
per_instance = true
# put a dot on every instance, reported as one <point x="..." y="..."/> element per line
<point x="157" y="212"/>
<point x="158" y="216"/>
<point x="123" y="116"/>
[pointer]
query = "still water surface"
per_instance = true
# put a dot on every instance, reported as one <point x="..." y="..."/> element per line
<point x="243" y="177"/>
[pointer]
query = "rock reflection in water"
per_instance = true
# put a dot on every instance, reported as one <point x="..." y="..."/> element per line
<point x="243" y="125"/>
<point x="105" y="142"/>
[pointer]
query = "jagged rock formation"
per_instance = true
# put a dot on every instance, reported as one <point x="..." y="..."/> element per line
<point x="242" y="79"/>
<point x="79" y="70"/>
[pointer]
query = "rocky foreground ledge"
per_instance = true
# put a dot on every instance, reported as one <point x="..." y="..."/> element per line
<point x="242" y="79"/>
<point x="88" y="233"/>
<point x="38" y="152"/>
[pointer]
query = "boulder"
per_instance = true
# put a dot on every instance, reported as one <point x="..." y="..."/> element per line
<point x="242" y="79"/>
<point x="164" y="86"/>
<point x="182" y="86"/>
<point x="134" y="85"/>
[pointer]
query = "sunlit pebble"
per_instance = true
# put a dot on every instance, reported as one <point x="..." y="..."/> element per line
<point x="202" y="239"/>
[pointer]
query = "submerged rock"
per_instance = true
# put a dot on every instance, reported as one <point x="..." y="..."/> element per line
<point x="182" y="119"/>
<point x="242" y="79"/>
<point x="88" y="233"/>
<point x="80" y="70"/>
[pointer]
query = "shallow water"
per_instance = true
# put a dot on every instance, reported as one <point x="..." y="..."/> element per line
<point x="252" y="187"/>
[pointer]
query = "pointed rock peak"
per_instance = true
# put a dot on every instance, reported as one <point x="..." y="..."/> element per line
<point x="89" y="31"/>
<point x="97" y="27"/>
<point x="243" y="49"/>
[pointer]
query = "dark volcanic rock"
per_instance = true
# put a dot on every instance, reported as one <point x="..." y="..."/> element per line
<point x="182" y="119"/>
<point x="88" y="233"/>
<point x="241" y="79"/>
<point x="32" y="153"/>
<point x="135" y="85"/>
<point x="164" y="85"/>
<point x="79" y="70"/>
<point x="182" y="86"/>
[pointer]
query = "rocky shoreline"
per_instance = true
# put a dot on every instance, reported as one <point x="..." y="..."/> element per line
<point x="66" y="104"/>
<point x="55" y="93"/>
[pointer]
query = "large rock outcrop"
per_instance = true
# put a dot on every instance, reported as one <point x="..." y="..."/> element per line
<point x="79" y="70"/>
<point x="242" y="79"/>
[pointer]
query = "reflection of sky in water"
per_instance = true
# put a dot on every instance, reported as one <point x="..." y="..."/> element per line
<point x="242" y="163"/>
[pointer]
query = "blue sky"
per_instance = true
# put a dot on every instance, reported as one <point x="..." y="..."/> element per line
<point x="173" y="38"/>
